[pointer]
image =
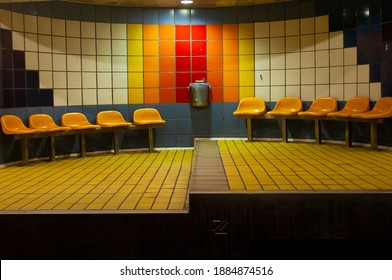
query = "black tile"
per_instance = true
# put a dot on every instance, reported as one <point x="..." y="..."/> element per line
<point x="387" y="12"/>
<point x="230" y="15"/>
<point x="20" y="98"/>
<point x="32" y="79"/>
<point x="46" y="97"/>
<point x="199" y="16"/>
<point x="262" y="13"/>
<point x="19" y="79"/>
<point x="349" y="18"/>
<point x="277" y="12"/>
<point x="214" y="16"/>
<point x="134" y="15"/>
<point x="87" y="13"/>
<point x="43" y="9"/>
<point x="363" y="16"/>
<point x="386" y="51"/>
<point x="336" y="17"/>
<point x="363" y="36"/>
<point x="363" y="54"/>
<point x="19" y="60"/>
<point x="8" y="81"/>
<point x="375" y="13"/>
<point x="292" y="10"/>
<point x="119" y="15"/>
<point x="6" y="39"/>
<point x="307" y="9"/>
<point x="386" y="71"/>
<point x="72" y="11"/>
<point x="150" y="16"/>
<point x="321" y="8"/>
<point x="30" y="8"/>
<point x="8" y="98"/>
<point x="6" y="59"/>
<point x="245" y="14"/>
<point x="375" y="53"/>
<point x="375" y="34"/>
<point x="1" y="97"/>
<point x="57" y="9"/>
<point x="386" y="89"/>
<point x="387" y="32"/>
<point x="102" y="14"/>
<point x="17" y="7"/>
<point x="33" y="97"/>
<point x="375" y="73"/>
<point x="350" y="38"/>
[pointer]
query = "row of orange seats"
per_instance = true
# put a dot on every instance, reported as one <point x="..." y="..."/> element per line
<point x="38" y="123"/>
<point x="356" y="107"/>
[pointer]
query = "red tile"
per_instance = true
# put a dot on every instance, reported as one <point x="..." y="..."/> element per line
<point x="183" y="48"/>
<point x="216" y="94"/>
<point x="199" y="76"/>
<point x="183" y="32"/>
<point x="199" y="63"/>
<point x="199" y="48"/>
<point x="183" y="64"/>
<point x="183" y="79"/>
<point x="199" y="32"/>
<point x="182" y="95"/>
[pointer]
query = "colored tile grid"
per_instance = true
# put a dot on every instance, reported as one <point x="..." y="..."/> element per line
<point x="272" y="166"/>
<point x="130" y="181"/>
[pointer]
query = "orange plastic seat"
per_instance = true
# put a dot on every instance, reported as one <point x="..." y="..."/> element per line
<point x="287" y="106"/>
<point x="12" y="124"/>
<point x="353" y="105"/>
<point x="147" y="116"/>
<point x="382" y="109"/>
<point x="111" y="119"/>
<point x="321" y="107"/>
<point x="45" y="122"/>
<point x="77" y="121"/>
<point x="250" y="106"/>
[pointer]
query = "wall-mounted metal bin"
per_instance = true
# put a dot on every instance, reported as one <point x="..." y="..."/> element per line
<point x="199" y="94"/>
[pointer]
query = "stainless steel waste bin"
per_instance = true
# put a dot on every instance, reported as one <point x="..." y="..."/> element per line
<point x="199" y="94"/>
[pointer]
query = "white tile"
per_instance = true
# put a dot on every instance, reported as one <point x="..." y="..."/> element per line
<point x="293" y="44"/>
<point x="293" y="77"/>
<point x="120" y="80"/>
<point x="74" y="63"/>
<point x="263" y="92"/>
<point x="322" y="41"/>
<point x="261" y="29"/>
<point x="277" y="92"/>
<point x="375" y="91"/>
<point x="363" y="73"/>
<point x="337" y="91"/>
<point x="5" y="19"/>
<point x="120" y="63"/>
<point x="262" y="61"/>
<point x="307" y="59"/>
<point x="350" y="91"/>
<point x="45" y="43"/>
<point x="336" y="40"/>
<point x="89" y="80"/>
<point x="104" y="63"/>
<point x="59" y="62"/>
<point x="119" y="47"/>
<point x="262" y="46"/>
<point x="364" y="90"/>
<point x="72" y="28"/>
<point x="104" y="80"/>
<point x="45" y="79"/>
<point x="308" y="76"/>
<point x="350" y="74"/>
<point x="74" y="79"/>
<point x="307" y="25"/>
<point x="105" y="96"/>
<point x="89" y="63"/>
<point x="30" y="23"/>
<point x="307" y="42"/>
<point x="31" y="61"/>
<point x="74" y="97"/>
<point x="292" y="27"/>
<point x="73" y="46"/>
<point x="322" y="75"/>
<point x="322" y="58"/>
<point x="322" y="24"/>
<point x="277" y="45"/>
<point x="293" y="60"/>
<point x="119" y="31"/>
<point x="103" y="30"/>
<point x="45" y="61"/>
<point x="350" y="56"/>
<point x="336" y="57"/>
<point x="293" y="91"/>
<point x="104" y="47"/>
<point x="262" y="78"/>
<point x="308" y="92"/>
<point x="59" y="79"/>
<point x="336" y="75"/>
<point x="278" y="77"/>
<point x="322" y="91"/>
<point x="58" y="27"/>
<point x="278" y="61"/>
<point x="90" y="97"/>
<point x="59" y="44"/>
<point x="88" y="46"/>
<point x="18" y="41"/>
<point x="44" y="26"/>
<point x="31" y="42"/>
<point x="60" y="97"/>
<point x="120" y="96"/>
<point x="277" y="28"/>
<point x="88" y="29"/>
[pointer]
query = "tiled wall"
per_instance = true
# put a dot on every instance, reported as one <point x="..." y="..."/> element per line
<point x="58" y="57"/>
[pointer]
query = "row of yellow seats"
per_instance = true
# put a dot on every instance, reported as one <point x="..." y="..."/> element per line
<point x="38" y="123"/>
<point x="356" y="107"/>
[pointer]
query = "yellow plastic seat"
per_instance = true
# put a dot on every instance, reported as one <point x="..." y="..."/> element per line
<point x="382" y="109"/>
<point x="287" y="106"/>
<point x="321" y="107"/>
<point x="12" y="124"/>
<point x="147" y="116"/>
<point x="45" y="122"/>
<point x="77" y="121"/>
<point x="353" y="106"/>
<point x="111" y="119"/>
<point x="250" y="106"/>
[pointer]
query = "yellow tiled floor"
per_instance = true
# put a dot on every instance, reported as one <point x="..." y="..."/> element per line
<point x="269" y="166"/>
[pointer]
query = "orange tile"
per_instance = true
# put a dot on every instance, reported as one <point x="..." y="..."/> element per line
<point x="166" y="79"/>
<point x="151" y="48"/>
<point x="230" y="79"/>
<point x="166" y="32"/>
<point x="151" y="63"/>
<point x="214" y="32"/>
<point x="230" y="31"/>
<point x="215" y="79"/>
<point x="230" y="62"/>
<point x="230" y="94"/>
<point x="151" y="79"/>
<point x="230" y="47"/>
<point x="215" y="47"/>
<point x="150" y="31"/>
<point x="214" y="63"/>
<point x="167" y="95"/>
<point x="151" y="96"/>
<point x="216" y="94"/>
<point x="167" y="48"/>
<point x="166" y="64"/>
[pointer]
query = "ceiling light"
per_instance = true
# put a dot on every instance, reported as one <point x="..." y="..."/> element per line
<point x="186" y="1"/>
